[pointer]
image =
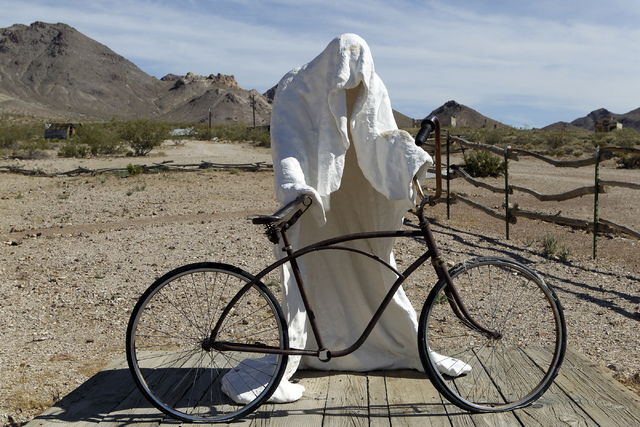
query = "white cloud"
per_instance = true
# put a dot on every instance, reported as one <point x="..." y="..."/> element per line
<point x="512" y="58"/>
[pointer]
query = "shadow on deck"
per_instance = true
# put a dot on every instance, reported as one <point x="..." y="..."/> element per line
<point x="583" y="394"/>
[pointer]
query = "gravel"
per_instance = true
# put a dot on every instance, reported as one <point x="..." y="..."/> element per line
<point x="77" y="252"/>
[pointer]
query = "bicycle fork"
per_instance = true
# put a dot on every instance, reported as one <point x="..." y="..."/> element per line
<point x="453" y="297"/>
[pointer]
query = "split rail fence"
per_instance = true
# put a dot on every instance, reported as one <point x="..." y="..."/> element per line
<point x="512" y="212"/>
<point x="159" y="167"/>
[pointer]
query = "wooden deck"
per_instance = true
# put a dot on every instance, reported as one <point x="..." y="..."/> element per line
<point x="583" y="395"/>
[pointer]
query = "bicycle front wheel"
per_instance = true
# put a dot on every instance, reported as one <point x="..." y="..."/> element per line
<point x="173" y="319"/>
<point x="483" y="373"/>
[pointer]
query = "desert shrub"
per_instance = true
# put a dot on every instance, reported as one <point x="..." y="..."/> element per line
<point x="69" y="149"/>
<point x="32" y="148"/>
<point x="482" y="163"/>
<point x="143" y="135"/>
<point x="555" y="139"/>
<point x="100" y="138"/>
<point x="134" y="170"/>
<point x="234" y="132"/>
<point x="626" y="138"/>
<point x="11" y="136"/>
<point x="204" y="132"/>
<point x="598" y="140"/>
<point x="494" y="137"/>
<point x="552" y="246"/>
<point x="72" y="149"/>
<point x="629" y="161"/>
<point x="524" y="137"/>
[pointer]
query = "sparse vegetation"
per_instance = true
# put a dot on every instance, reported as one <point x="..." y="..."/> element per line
<point x="12" y="135"/>
<point x="97" y="138"/>
<point x="441" y="298"/>
<point x="552" y="247"/>
<point x="233" y="132"/>
<point x="629" y="161"/>
<point x="22" y="140"/>
<point x="274" y="284"/>
<point x="482" y="163"/>
<point x="549" y="246"/>
<point x="565" y="253"/>
<point x="143" y="135"/>
<point x="136" y="189"/>
<point x="553" y="142"/>
<point x="134" y="170"/>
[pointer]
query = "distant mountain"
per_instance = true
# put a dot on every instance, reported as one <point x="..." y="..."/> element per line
<point x="463" y="116"/>
<point x="563" y="126"/>
<point x="190" y="97"/>
<point x="628" y="120"/>
<point x="53" y="70"/>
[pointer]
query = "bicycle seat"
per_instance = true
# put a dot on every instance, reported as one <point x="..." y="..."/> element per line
<point x="280" y="214"/>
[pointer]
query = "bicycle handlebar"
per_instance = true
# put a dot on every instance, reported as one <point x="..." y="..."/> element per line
<point x="428" y="125"/>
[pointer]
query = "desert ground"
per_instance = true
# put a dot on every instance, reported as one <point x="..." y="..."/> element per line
<point x="76" y="253"/>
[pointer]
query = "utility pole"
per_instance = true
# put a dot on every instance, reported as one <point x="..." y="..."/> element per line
<point x="253" y="104"/>
<point x="209" y="118"/>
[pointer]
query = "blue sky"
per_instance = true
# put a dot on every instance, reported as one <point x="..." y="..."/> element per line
<point x="522" y="63"/>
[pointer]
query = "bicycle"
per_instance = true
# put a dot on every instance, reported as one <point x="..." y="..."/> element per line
<point x="198" y="323"/>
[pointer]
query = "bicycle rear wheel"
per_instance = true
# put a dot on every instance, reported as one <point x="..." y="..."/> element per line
<point x="507" y="372"/>
<point x="165" y="339"/>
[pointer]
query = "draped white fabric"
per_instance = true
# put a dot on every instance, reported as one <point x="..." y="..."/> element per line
<point x="334" y="137"/>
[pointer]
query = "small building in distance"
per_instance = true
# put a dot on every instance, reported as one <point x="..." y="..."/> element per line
<point x="60" y="130"/>
<point x="607" y="124"/>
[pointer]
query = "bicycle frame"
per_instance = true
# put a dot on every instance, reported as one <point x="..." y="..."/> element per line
<point x="322" y="352"/>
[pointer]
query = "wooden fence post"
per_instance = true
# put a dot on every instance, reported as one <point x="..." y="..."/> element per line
<point x="595" y="205"/>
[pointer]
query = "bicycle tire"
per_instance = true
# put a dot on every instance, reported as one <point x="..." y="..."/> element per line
<point x="176" y="315"/>
<point x="508" y="372"/>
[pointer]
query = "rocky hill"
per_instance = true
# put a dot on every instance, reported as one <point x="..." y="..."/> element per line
<point x="629" y="120"/>
<point x="463" y="116"/>
<point x="52" y="70"/>
<point x="55" y="72"/>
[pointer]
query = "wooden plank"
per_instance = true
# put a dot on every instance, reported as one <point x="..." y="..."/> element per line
<point x="583" y="395"/>
<point x="308" y="411"/>
<point x="478" y="377"/>
<point x="98" y="395"/>
<point x="133" y="409"/>
<point x="605" y="400"/>
<point x="347" y="400"/>
<point x="413" y="400"/>
<point x="378" y="403"/>
<point x="554" y="407"/>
